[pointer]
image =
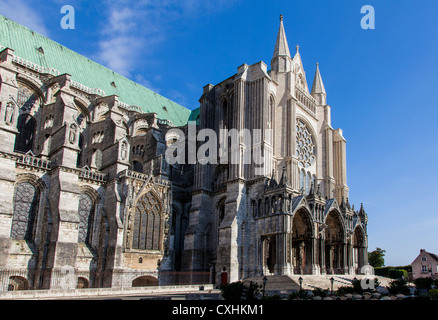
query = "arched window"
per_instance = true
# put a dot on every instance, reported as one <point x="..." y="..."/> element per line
<point x="26" y="202"/>
<point x="270" y="111"/>
<point x="223" y="123"/>
<point x="138" y="167"/>
<point x="81" y="146"/>
<point x="221" y="212"/>
<point x="26" y="126"/>
<point x="97" y="158"/>
<point x="308" y="182"/>
<point x="147" y="231"/>
<point x="302" y="180"/>
<point x="86" y="218"/>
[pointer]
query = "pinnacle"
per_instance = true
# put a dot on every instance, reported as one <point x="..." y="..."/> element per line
<point x="281" y="46"/>
<point x="318" y="85"/>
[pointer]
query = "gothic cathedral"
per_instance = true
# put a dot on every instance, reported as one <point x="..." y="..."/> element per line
<point x="86" y="186"/>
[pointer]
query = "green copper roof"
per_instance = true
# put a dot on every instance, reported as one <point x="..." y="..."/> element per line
<point x="47" y="53"/>
<point x="194" y="116"/>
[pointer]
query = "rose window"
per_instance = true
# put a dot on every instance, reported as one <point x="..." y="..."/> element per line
<point x="305" y="147"/>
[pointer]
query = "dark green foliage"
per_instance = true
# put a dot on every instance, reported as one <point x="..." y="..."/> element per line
<point x="238" y="291"/>
<point x="298" y="295"/>
<point x="233" y="291"/>
<point x="319" y="292"/>
<point x="384" y="271"/>
<point x="345" y="290"/>
<point x="424" y="283"/>
<point x="399" y="286"/>
<point x="397" y="273"/>
<point x="433" y="294"/>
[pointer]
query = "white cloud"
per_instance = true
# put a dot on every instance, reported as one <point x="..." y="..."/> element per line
<point x="133" y="30"/>
<point x="146" y="83"/>
<point x="19" y="11"/>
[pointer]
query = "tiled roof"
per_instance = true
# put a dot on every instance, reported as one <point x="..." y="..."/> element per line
<point x="46" y="53"/>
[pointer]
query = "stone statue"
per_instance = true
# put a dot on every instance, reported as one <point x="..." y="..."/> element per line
<point x="302" y="254"/>
<point x="123" y="151"/>
<point x="72" y="134"/>
<point x="9" y="113"/>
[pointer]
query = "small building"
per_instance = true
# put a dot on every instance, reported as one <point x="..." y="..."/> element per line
<point x="425" y="265"/>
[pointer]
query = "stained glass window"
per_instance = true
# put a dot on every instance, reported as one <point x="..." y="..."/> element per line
<point x="147" y="223"/>
<point x="26" y="201"/>
<point x="305" y="149"/>
<point x="86" y="217"/>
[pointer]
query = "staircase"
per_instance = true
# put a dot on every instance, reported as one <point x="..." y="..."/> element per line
<point x="275" y="283"/>
<point x="290" y="283"/>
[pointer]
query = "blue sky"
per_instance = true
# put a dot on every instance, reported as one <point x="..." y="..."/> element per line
<point x="381" y="83"/>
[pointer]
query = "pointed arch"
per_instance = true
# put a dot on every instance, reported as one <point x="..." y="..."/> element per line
<point x="88" y="198"/>
<point x="26" y="126"/>
<point x="221" y="209"/>
<point x="148" y="222"/>
<point x="335" y="221"/>
<point x="27" y="195"/>
<point x="302" y="235"/>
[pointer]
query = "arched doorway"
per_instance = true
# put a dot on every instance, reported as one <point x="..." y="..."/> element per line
<point x="17" y="283"/>
<point x="358" y="249"/>
<point x="83" y="283"/>
<point x="269" y="253"/>
<point x="334" y="243"/>
<point x="145" y="281"/>
<point x="302" y="246"/>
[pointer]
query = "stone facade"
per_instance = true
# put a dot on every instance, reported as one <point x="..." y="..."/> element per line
<point x="294" y="217"/>
<point x="89" y="200"/>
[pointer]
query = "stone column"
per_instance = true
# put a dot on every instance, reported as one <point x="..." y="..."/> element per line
<point x="322" y="255"/>
<point x="8" y="133"/>
<point x="315" y="264"/>
<point x="338" y="256"/>
<point x="345" y="260"/>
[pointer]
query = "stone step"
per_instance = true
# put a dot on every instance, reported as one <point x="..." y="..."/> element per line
<point x="310" y="282"/>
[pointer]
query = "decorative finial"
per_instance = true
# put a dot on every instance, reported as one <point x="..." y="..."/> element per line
<point x="297" y="48"/>
<point x="281" y="17"/>
<point x="317" y="64"/>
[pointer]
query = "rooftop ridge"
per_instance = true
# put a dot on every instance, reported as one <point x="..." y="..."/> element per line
<point x="87" y="75"/>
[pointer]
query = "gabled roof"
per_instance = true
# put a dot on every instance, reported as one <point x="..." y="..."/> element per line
<point x="296" y="201"/>
<point x="422" y="252"/>
<point x="47" y="53"/>
<point x="433" y="255"/>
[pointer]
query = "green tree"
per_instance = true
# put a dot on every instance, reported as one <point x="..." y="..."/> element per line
<point x="398" y="286"/>
<point x="375" y="258"/>
<point x="239" y="291"/>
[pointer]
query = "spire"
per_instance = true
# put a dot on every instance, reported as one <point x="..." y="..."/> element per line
<point x="284" y="180"/>
<point x="273" y="183"/>
<point x="318" y="85"/>
<point x="318" y="90"/>
<point x="281" y="46"/>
